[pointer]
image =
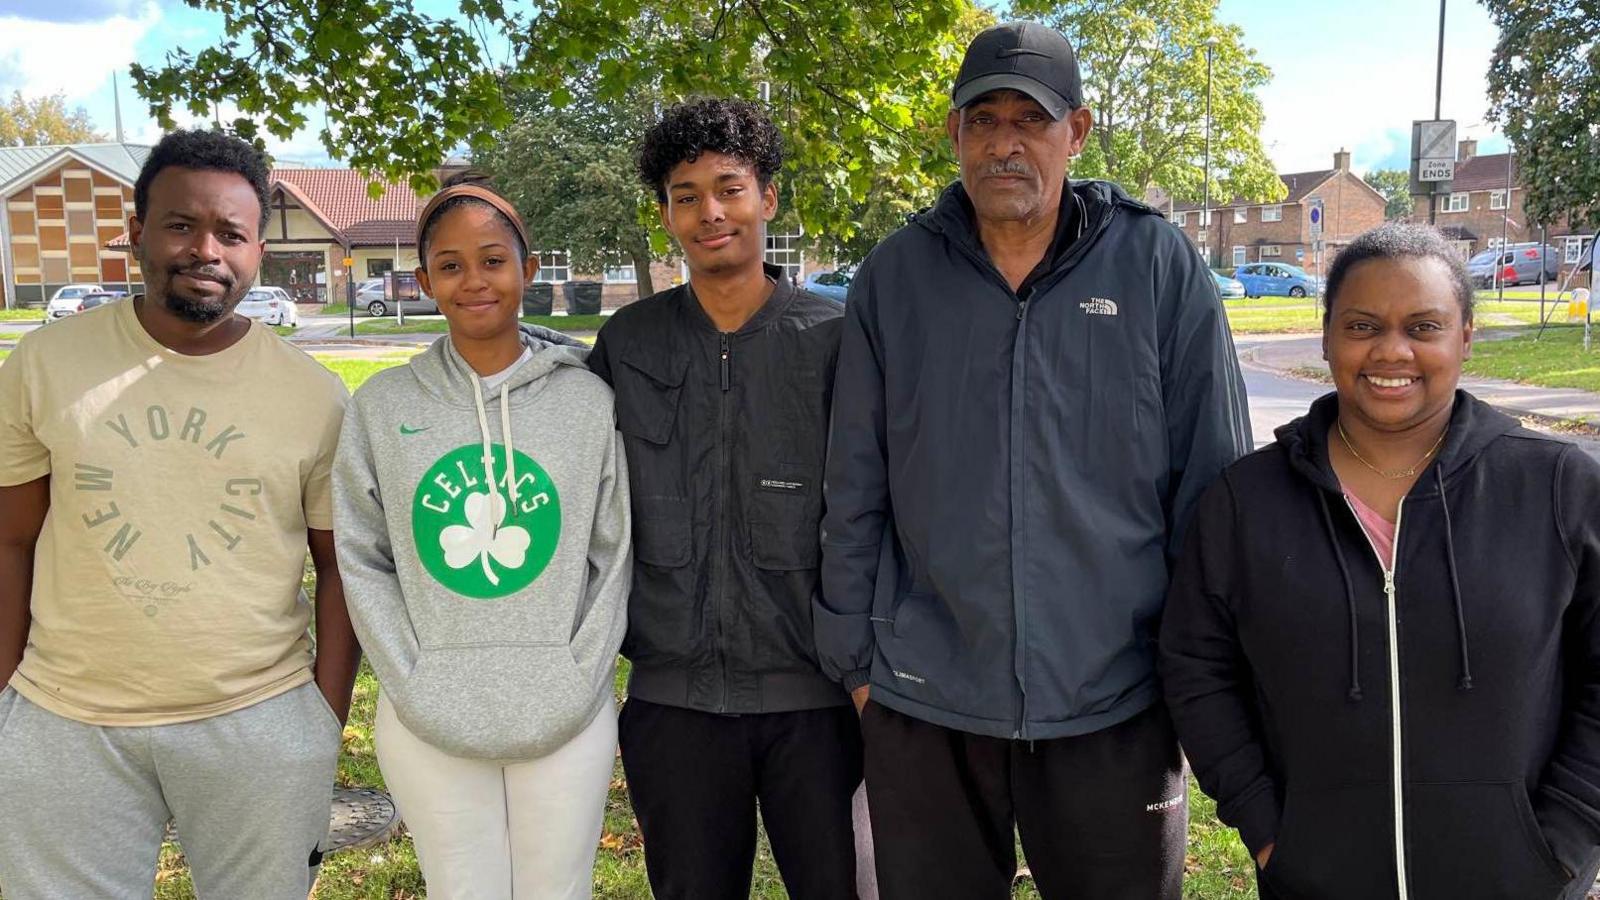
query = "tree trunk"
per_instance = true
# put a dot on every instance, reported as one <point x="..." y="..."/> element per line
<point x="641" y="271"/>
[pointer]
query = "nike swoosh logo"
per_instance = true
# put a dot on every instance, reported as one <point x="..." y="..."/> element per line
<point x="405" y="430"/>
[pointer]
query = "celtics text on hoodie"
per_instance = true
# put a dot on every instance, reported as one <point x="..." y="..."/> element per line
<point x="484" y="546"/>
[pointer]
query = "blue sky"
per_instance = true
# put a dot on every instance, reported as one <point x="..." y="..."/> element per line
<point x="1346" y="73"/>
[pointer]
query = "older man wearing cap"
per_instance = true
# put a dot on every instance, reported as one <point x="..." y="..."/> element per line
<point x="1035" y="383"/>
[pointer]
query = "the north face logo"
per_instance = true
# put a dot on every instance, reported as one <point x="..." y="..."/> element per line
<point x="1099" y="306"/>
<point x="476" y="543"/>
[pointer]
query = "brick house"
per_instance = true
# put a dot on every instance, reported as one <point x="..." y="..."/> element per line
<point x="1485" y="200"/>
<point x="1241" y="232"/>
<point x="62" y="205"/>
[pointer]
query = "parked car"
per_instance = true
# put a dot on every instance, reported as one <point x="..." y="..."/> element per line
<point x="64" y="302"/>
<point x="368" y="291"/>
<point x="1228" y="288"/>
<point x="834" y="285"/>
<point x="99" y="298"/>
<point x="396" y="284"/>
<point x="1514" y="264"/>
<point x="271" y="305"/>
<point x="1267" y="279"/>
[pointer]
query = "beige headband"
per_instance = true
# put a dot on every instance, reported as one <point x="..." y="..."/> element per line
<point x="499" y="203"/>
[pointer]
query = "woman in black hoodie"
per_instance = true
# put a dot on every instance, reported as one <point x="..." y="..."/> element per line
<point x="1381" y="646"/>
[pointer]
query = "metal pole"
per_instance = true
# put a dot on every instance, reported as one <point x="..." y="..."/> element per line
<point x="1505" y="218"/>
<point x="1544" y="241"/>
<point x="1205" y="215"/>
<point x="394" y="279"/>
<point x="1438" y="110"/>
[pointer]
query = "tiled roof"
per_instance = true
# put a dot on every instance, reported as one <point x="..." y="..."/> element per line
<point x="341" y="196"/>
<point x="1298" y="184"/>
<point x="382" y="233"/>
<point x="121" y="160"/>
<point x="1483" y="173"/>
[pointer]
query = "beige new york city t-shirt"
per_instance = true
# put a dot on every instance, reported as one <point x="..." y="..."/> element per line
<point x="167" y="580"/>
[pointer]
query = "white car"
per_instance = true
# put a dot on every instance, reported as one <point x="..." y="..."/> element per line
<point x="272" y="305"/>
<point x="64" y="302"/>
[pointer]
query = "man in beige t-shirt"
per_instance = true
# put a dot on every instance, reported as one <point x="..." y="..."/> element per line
<point x="164" y="465"/>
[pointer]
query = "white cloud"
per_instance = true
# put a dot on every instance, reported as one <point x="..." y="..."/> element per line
<point x="41" y="57"/>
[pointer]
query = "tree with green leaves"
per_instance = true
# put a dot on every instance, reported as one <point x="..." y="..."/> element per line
<point x="1144" y="76"/>
<point x="1395" y="186"/>
<point x="44" y="121"/>
<point x="403" y="88"/>
<point x="570" y="172"/>
<point x="1544" y="87"/>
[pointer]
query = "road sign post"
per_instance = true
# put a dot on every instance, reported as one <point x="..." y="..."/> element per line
<point x="1433" y="160"/>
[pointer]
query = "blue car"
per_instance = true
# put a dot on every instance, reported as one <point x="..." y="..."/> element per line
<point x="1267" y="279"/>
<point x="1227" y="288"/>
<point x="833" y="285"/>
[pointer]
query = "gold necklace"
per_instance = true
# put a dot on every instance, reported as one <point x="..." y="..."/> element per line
<point x="1406" y="473"/>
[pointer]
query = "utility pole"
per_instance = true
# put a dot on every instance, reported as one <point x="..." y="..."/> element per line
<point x="1205" y="214"/>
<point x="1438" y="110"/>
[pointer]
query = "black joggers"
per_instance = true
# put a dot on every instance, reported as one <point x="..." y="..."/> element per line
<point x="1102" y="816"/>
<point x="696" y="779"/>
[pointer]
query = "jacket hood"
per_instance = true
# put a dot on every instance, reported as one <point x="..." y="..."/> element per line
<point x="952" y="214"/>
<point x="1473" y="426"/>
<point x="447" y="378"/>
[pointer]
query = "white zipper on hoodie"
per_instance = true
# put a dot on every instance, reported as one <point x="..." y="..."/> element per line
<point x="1392" y="614"/>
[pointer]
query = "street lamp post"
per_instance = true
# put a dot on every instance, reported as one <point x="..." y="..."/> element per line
<point x="1205" y="214"/>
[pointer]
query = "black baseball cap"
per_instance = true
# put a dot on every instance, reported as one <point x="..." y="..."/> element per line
<point x="1021" y="56"/>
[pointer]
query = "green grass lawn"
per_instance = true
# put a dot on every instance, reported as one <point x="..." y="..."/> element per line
<point x="338" y="309"/>
<point x="1273" y="315"/>
<point x="567" y="324"/>
<point x="21" y="315"/>
<point x="1554" y="360"/>
<point x="10" y="335"/>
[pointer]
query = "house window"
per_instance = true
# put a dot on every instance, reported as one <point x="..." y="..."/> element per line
<point x="1241" y="215"/>
<point x="1271" y="250"/>
<point x="553" y="266"/>
<point x="377" y="268"/>
<point x="1497" y="199"/>
<point x="1458" y="202"/>
<point x="1238" y="256"/>
<point x="1575" y="247"/>
<point x="1180" y="219"/>
<point x="619" y="270"/>
<point x="1272" y="214"/>
<point x="1205" y="218"/>
<point x="783" y="250"/>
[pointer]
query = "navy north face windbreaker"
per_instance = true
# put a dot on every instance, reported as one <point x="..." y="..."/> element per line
<point x="1008" y="478"/>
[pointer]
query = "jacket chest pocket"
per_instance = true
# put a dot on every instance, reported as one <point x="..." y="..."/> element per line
<point x="784" y="513"/>
<point x="647" y="394"/>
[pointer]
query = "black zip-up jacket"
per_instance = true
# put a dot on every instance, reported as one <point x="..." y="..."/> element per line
<point x="725" y="437"/>
<point x="1462" y="711"/>
<point x="1009" y="475"/>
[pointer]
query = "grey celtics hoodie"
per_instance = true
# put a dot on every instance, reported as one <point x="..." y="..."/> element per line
<point x="484" y="546"/>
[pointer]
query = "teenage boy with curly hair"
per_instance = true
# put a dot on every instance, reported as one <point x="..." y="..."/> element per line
<point x="723" y="389"/>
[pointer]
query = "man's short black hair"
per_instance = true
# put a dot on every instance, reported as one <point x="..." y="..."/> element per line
<point x="737" y="128"/>
<point x="1400" y="240"/>
<point x="205" y="150"/>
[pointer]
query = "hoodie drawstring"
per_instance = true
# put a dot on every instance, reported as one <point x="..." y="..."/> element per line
<point x="1465" y="683"/>
<point x="1349" y="599"/>
<point x="488" y="442"/>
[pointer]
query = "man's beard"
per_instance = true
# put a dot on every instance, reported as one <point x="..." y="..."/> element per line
<point x="199" y="310"/>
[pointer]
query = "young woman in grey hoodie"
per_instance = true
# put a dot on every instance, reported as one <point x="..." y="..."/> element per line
<point x="482" y="525"/>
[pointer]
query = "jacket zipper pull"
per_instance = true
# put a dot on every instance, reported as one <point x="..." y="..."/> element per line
<point x="725" y="353"/>
<point x="1022" y="309"/>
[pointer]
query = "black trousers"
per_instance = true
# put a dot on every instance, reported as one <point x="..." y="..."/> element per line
<point x="1102" y="816"/>
<point x="697" y="778"/>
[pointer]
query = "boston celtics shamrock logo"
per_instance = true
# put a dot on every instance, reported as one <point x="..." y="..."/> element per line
<point x="477" y="542"/>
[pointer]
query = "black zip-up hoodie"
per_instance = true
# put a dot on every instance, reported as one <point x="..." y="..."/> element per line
<point x="1463" y="712"/>
<point x="725" y="436"/>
